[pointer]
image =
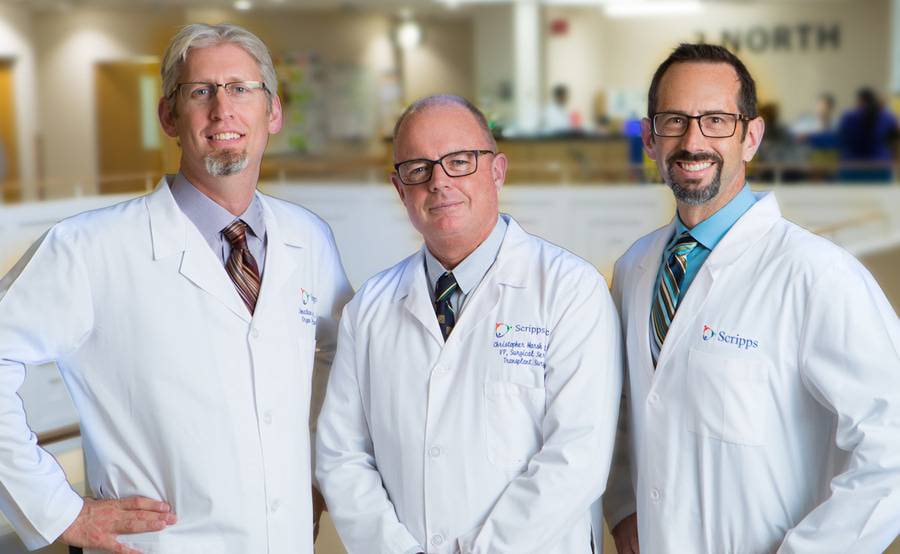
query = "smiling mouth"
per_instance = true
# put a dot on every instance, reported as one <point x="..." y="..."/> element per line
<point x="693" y="167"/>
<point x="225" y="137"/>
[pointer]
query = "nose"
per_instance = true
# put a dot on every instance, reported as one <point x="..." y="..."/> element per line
<point x="439" y="178"/>
<point x="220" y="105"/>
<point x="693" y="139"/>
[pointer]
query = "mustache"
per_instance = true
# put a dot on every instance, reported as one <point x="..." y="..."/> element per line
<point x="686" y="156"/>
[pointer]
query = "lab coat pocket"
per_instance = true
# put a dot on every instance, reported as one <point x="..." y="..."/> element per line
<point x="727" y="398"/>
<point x="513" y="423"/>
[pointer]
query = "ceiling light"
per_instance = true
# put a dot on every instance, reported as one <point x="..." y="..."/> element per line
<point x="243" y="5"/>
<point x="409" y="34"/>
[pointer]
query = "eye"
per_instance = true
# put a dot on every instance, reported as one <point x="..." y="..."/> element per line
<point x="239" y="88"/>
<point x="200" y="92"/>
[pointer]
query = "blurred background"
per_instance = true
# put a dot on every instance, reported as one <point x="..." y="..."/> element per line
<point x="563" y="83"/>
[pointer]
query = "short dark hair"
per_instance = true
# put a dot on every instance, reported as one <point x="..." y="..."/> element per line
<point x="707" y="53"/>
<point x="446" y="100"/>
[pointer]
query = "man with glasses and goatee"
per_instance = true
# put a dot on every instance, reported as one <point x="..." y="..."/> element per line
<point x="472" y="403"/>
<point x="188" y="325"/>
<point x="763" y="362"/>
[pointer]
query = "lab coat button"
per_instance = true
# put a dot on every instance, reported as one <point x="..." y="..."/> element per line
<point x="254" y="332"/>
<point x="655" y="495"/>
<point x="267" y="418"/>
<point x="434" y="451"/>
<point x="275" y="505"/>
<point x="437" y="540"/>
<point x="653" y="398"/>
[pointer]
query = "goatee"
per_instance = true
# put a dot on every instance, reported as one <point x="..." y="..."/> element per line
<point x="223" y="163"/>
<point x="683" y="191"/>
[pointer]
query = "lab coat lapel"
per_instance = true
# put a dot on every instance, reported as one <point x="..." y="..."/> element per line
<point x="172" y="232"/>
<point x="283" y="249"/>
<point x="413" y="293"/>
<point x="638" y="333"/>
<point x="506" y="271"/>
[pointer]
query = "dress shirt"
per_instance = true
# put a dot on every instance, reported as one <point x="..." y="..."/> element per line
<point x="210" y="218"/>
<point x="471" y="271"/>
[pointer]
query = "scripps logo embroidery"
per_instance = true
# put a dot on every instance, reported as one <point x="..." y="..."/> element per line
<point x="744" y="343"/>
<point x="501" y="330"/>
<point x="307" y="297"/>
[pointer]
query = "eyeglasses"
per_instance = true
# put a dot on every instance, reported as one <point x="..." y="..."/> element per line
<point x="455" y="164"/>
<point x="203" y="93"/>
<point x="712" y="125"/>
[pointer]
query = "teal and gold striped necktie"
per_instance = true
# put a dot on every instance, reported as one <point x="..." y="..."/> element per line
<point x="443" y="292"/>
<point x="669" y="291"/>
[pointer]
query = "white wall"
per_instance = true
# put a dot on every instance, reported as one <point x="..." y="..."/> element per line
<point x="606" y="53"/>
<point x="16" y="44"/>
<point x="69" y="45"/>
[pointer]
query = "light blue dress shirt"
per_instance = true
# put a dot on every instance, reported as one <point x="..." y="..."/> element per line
<point x="469" y="272"/>
<point x="210" y="218"/>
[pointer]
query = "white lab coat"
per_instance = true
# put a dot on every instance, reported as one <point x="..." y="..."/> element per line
<point x="477" y="445"/>
<point x="772" y="421"/>
<point x="182" y="395"/>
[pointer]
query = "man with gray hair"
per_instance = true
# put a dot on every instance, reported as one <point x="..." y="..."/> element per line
<point x="472" y="404"/>
<point x="192" y="326"/>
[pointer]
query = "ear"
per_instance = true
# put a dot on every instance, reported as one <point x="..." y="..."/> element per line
<point x="755" y="130"/>
<point x="167" y="119"/>
<point x="498" y="170"/>
<point x="276" y="117"/>
<point x="647" y="138"/>
<point x="395" y="180"/>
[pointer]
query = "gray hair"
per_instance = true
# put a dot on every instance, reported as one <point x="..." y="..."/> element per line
<point x="446" y="100"/>
<point x="201" y="35"/>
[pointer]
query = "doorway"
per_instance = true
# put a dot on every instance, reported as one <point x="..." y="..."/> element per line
<point x="133" y="151"/>
<point x="10" y="187"/>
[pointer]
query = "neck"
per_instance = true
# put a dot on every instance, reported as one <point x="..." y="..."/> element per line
<point x="450" y="251"/>
<point x="234" y="193"/>
<point x="692" y="215"/>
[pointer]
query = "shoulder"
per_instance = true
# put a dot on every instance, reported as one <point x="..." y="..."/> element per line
<point x="794" y="249"/>
<point x="638" y="250"/>
<point x="383" y="287"/>
<point x="104" y="224"/>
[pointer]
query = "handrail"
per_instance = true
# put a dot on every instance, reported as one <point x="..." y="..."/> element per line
<point x="866" y="217"/>
<point x="59" y="434"/>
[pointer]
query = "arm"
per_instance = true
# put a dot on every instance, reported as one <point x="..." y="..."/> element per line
<point x="850" y="362"/>
<point x="45" y="313"/>
<point x="583" y="379"/>
<point x="359" y="506"/>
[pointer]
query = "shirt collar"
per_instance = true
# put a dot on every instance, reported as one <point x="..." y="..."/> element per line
<point x="475" y="266"/>
<point x="210" y="218"/>
<point x="711" y="230"/>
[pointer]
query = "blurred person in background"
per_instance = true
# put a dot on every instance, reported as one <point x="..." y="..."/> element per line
<point x="867" y="135"/>
<point x="821" y="120"/>
<point x="557" y="119"/>
<point x="473" y="400"/>
<point x="762" y="361"/>
<point x="191" y="327"/>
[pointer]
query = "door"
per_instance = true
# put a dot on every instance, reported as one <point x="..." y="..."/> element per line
<point x="133" y="150"/>
<point x="10" y="189"/>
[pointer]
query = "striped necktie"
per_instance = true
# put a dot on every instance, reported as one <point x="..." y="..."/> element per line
<point x="241" y="266"/>
<point x="669" y="291"/>
<point x="443" y="292"/>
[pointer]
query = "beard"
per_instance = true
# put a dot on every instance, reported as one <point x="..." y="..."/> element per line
<point x="223" y="163"/>
<point x="688" y="191"/>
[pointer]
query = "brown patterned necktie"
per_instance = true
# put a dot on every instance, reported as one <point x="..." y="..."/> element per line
<point x="241" y="266"/>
